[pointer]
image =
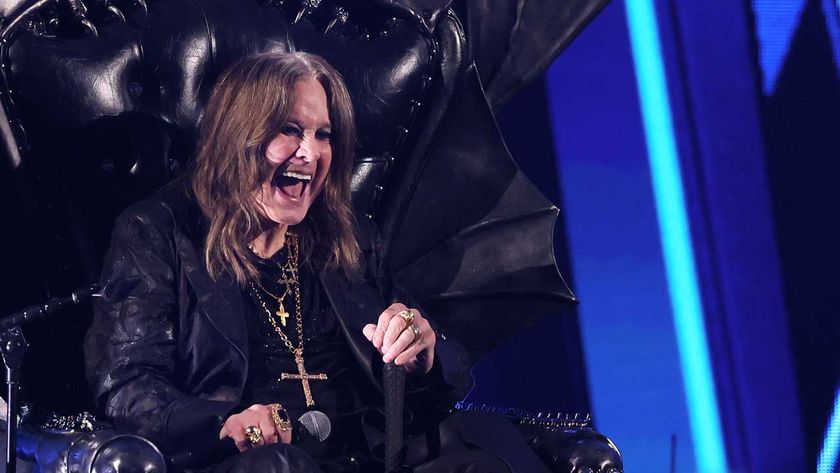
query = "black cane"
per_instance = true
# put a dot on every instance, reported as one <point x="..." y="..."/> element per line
<point x="393" y="380"/>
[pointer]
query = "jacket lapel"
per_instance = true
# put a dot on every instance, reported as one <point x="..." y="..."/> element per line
<point x="356" y="304"/>
<point x="220" y="300"/>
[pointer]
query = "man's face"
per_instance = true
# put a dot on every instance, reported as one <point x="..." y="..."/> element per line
<point x="300" y="157"/>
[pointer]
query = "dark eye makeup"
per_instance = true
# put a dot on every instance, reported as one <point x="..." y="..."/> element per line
<point x="290" y="129"/>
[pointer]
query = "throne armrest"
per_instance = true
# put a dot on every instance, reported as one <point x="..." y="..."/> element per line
<point x="566" y="443"/>
<point x="63" y="451"/>
<point x="577" y="450"/>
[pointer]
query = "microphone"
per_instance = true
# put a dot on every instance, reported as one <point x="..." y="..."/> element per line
<point x="312" y="425"/>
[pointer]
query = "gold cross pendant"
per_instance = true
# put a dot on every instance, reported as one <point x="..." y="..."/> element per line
<point x="282" y="314"/>
<point x="304" y="377"/>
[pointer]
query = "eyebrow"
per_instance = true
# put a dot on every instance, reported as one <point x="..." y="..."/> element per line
<point x="295" y="122"/>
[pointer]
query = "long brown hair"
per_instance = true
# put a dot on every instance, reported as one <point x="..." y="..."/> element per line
<point x="248" y="106"/>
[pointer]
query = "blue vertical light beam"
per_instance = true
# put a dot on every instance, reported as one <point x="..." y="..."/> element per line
<point x="676" y="238"/>
<point x="831" y="444"/>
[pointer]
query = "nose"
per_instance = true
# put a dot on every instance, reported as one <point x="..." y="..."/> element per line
<point x="306" y="151"/>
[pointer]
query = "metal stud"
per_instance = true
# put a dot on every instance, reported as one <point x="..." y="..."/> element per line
<point x="402" y="132"/>
<point x="306" y="7"/>
<point x="143" y="6"/>
<point x="116" y="11"/>
<point x="414" y="105"/>
<point x="90" y="27"/>
<point x="339" y="17"/>
<point x="426" y="81"/>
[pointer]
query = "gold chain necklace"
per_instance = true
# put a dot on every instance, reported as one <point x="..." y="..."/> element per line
<point x="289" y="277"/>
<point x="281" y="311"/>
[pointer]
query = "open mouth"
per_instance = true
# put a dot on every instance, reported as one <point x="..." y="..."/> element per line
<point x="291" y="184"/>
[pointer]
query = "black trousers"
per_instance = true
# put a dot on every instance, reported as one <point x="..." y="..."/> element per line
<point x="468" y="442"/>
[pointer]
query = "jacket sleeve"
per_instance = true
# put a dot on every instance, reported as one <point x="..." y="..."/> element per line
<point x="131" y="348"/>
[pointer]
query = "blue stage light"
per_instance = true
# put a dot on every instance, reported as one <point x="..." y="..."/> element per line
<point x="827" y="461"/>
<point x="676" y="238"/>
<point x="775" y="24"/>
<point x="831" y="10"/>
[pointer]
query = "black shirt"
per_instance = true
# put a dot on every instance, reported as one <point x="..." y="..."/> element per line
<point x="346" y="392"/>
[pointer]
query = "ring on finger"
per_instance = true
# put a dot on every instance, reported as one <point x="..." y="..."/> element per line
<point x="254" y="435"/>
<point x="414" y="329"/>
<point x="408" y="316"/>
<point x="280" y="418"/>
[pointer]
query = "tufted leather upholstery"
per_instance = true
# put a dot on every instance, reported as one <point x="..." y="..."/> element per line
<point x="118" y="116"/>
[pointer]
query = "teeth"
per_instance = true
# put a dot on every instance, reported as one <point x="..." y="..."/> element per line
<point x="302" y="177"/>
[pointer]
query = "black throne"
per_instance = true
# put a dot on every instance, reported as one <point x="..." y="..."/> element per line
<point x="100" y="102"/>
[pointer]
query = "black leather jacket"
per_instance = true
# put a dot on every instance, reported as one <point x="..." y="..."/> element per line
<point x="167" y="353"/>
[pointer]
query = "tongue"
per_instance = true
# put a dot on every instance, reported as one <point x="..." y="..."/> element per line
<point x="292" y="189"/>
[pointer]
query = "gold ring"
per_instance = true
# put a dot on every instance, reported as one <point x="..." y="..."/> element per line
<point x="254" y="435"/>
<point x="414" y="329"/>
<point x="280" y="418"/>
<point x="408" y="316"/>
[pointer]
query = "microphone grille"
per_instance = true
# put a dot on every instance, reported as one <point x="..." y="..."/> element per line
<point x="317" y="424"/>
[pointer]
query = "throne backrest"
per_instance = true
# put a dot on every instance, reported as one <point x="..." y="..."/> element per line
<point x="113" y="116"/>
<point x="103" y="104"/>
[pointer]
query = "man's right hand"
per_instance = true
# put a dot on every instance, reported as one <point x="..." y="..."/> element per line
<point x="258" y="415"/>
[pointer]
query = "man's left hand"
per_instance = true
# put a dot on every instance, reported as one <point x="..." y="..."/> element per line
<point x="396" y="341"/>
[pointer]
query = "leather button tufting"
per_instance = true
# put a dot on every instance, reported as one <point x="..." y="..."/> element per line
<point x="135" y="89"/>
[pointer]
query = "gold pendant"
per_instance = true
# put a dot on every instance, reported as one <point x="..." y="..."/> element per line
<point x="282" y="314"/>
<point x="303" y="377"/>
